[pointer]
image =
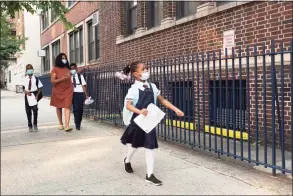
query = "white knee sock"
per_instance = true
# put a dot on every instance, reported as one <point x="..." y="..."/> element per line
<point x="130" y="152"/>
<point x="150" y="160"/>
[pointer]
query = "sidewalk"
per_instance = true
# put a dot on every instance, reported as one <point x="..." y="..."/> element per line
<point x="90" y="162"/>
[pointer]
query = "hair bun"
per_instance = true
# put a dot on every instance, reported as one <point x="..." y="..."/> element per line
<point x="127" y="69"/>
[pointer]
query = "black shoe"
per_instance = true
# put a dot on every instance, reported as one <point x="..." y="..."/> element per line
<point x="36" y="128"/>
<point x="78" y="128"/>
<point x="30" y="129"/>
<point x="152" y="179"/>
<point x="128" y="167"/>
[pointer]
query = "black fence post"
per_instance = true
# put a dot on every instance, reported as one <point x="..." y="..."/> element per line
<point x="273" y="72"/>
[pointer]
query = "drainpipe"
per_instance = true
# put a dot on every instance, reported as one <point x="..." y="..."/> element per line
<point x="39" y="14"/>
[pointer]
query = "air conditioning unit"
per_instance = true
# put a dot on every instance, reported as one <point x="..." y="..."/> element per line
<point x="41" y="53"/>
<point x="95" y="19"/>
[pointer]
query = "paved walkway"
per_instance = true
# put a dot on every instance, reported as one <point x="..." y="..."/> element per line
<point x="90" y="162"/>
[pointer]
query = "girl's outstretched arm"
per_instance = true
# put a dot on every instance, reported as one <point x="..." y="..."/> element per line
<point x="170" y="106"/>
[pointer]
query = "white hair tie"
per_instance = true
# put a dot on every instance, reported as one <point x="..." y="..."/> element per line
<point x="122" y="76"/>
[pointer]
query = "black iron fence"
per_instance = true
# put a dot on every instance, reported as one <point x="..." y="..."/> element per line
<point x="236" y="103"/>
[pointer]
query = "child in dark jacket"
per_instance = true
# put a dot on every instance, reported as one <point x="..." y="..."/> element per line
<point x="32" y="85"/>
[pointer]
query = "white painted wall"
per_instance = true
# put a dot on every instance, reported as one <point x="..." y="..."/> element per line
<point x="33" y="44"/>
<point x="29" y="55"/>
<point x="17" y="74"/>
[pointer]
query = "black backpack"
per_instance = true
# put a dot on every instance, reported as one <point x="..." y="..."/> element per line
<point x="41" y="93"/>
<point x="79" y="78"/>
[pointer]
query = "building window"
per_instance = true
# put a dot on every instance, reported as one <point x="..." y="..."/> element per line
<point x="219" y="3"/>
<point x="155" y="13"/>
<point x="9" y="76"/>
<point x="221" y="110"/>
<point x="131" y="16"/>
<point x="90" y="41"/>
<point x="71" y="3"/>
<point x="13" y="33"/>
<point x="53" y="16"/>
<point x="55" y="49"/>
<point x="185" y="8"/>
<point x="71" y="47"/>
<point x="97" y="39"/>
<point x="45" y="20"/>
<point x="76" y="46"/>
<point x="46" y="60"/>
<point x="93" y="41"/>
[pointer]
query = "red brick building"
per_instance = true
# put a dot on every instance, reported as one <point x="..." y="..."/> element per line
<point x="161" y="28"/>
<point x="120" y="32"/>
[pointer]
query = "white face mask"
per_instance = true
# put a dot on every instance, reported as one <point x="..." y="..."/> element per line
<point x="64" y="61"/>
<point x="30" y="71"/>
<point x="73" y="71"/>
<point x="145" y="76"/>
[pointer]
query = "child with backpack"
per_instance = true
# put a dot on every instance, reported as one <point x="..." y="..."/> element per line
<point x="32" y="85"/>
<point x="79" y="95"/>
<point x="140" y="95"/>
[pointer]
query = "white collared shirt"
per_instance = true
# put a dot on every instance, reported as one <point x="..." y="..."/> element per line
<point x="78" y="88"/>
<point x="133" y="95"/>
<point x="33" y="83"/>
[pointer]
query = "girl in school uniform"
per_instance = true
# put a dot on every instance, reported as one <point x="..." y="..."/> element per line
<point x="140" y="95"/>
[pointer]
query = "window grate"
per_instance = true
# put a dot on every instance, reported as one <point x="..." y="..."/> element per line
<point x="226" y="106"/>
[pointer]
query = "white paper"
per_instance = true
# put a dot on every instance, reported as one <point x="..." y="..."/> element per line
<point x="32" y="100"/>
<point x="88" y="101"/>
<point x="151" y="120"/>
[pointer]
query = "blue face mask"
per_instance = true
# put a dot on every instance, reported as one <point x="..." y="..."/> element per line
<point x="64" y="61"/>
<point x="73" y="71"/>
<point x="30" y="71"/>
